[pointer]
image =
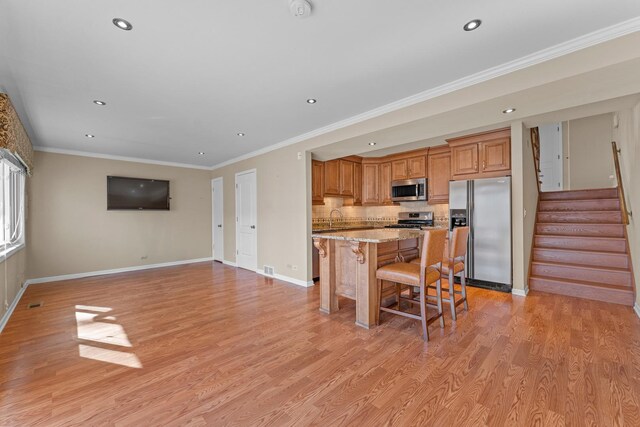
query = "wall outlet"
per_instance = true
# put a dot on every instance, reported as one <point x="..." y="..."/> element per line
<point x="144" y="257"/>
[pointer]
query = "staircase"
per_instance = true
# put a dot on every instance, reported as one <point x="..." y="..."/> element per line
<point x="580" y="247"/>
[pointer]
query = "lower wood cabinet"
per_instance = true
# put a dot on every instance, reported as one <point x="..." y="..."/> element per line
<point x="439" y="167"/>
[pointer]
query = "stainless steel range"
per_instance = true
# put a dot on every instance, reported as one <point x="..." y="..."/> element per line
<point x="413" y="220"/>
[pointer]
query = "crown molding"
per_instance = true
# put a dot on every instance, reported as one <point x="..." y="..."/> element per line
<point x="565" y="48"/>
<point x="120" y="158"/>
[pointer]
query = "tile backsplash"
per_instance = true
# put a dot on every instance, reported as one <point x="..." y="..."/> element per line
<point x="379" y="213"/>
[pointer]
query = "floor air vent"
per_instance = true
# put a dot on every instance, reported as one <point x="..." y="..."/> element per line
<point x="268" y="270"/>
<point x="35" y="304"/>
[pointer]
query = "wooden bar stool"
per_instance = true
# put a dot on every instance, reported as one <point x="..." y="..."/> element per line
<point x="417" y="275"/>
<point x="454" y="263"/>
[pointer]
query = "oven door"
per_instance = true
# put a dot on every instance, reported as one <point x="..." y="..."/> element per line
<point x="409" y="190"/>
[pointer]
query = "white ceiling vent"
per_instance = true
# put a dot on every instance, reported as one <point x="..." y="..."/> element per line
<point x="300" y="8"/>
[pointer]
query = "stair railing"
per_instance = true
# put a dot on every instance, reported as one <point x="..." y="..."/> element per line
<point x="625" y="213"/>
<point x="535" y="146"/>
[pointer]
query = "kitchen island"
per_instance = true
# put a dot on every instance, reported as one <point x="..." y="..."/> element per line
<point x="348" y="264"/>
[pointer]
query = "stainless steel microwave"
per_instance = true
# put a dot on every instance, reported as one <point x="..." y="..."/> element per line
<point x="409" y="190"/>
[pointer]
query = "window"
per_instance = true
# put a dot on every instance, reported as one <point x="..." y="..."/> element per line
<point x="11" y="203"/>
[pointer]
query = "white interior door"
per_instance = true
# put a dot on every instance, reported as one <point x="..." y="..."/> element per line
<point x="218" y="219"/>
<point x="551" y="157"/>
<point x="246" y="215"/>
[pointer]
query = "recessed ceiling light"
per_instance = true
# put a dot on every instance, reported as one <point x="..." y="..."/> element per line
<point x="122" y="24"/>
<point x="240" y="133"/>
<point x="472" y="25"/>
<point x="311" y="101"/>
<point x="99" y="102"/>
<point x="508" y="110"/>
<point x="201" y="153"/>
<point x="372" y="143"/>
<point x="88" y="135"/>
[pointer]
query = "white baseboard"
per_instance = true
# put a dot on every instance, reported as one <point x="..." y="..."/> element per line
<point x="288" y="279"/>
<point x="229" y="263"/>
<point x="636" y="308"/>
<point x="14" y="304"/>
<point x="114" y="271"/>
<point x="520" y="292"/>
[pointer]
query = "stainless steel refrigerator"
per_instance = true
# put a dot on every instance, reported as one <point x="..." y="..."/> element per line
<point x="484" y="205"/>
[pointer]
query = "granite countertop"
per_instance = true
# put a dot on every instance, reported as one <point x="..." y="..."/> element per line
<point x="378" y="235"/>
<point x="344" y="228"/>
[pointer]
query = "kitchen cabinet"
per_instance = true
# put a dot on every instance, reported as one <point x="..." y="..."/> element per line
<point x="317" y="182"/>
<point x="370" y="184"/>
<point x="385" y="183"/>
<point x="496" y="155"/>
<point x="332" y="178"/>
<point x="357" y="184"/>
<point x="409" y="168"/>
<point x="417" y="167"/>
<point x="439" y="168"/>
<point x="346" y="177"/>
<point x="465" y="159"/>
<point x="482" y="155"/>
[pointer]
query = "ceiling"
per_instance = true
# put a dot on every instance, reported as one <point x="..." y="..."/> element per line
<point x="191" y="75"/>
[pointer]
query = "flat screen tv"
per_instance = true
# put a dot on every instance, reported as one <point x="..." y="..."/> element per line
<point x="137" y="194"/>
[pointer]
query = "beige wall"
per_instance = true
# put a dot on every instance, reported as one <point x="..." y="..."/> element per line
<point x="589" y="150"/>
<point x="12" y="276"/>
<point x="524" y="194"/>
<point x="628" y="137"/>
<point x="284" y="210"/>
<point x="69" y="229"/>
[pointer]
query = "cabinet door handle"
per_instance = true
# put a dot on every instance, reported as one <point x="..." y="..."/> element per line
<point x="253" y="227"/>
<point x="484" y="164"/>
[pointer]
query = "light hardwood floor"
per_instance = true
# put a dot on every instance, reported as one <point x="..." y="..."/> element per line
<point x="206" y="344"/>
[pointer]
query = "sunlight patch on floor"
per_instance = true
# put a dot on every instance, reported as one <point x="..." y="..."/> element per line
<point x="99" y="329"/>
<point x="109" y="356"/>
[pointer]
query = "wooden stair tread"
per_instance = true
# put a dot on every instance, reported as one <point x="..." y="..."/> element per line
<point x="582" y="266"/>
<point x="586" y="251"/>
<point x="560" y="236"/>
<point x="621" y="288"/>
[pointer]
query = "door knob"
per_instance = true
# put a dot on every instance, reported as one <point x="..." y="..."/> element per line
<point x="253" y="227"/>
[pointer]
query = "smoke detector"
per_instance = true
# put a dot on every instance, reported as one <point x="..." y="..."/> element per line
<point x="300" y="8"/>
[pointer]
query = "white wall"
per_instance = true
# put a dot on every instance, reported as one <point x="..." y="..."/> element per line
<point x="627" y="135"/>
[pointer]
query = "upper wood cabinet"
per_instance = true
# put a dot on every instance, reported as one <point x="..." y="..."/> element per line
<point x="465" y="159"/>
<point x="317" y="182"/>
<point x="482" y="155"/>
<point x="385" y="183"/>
<point x="496" y="155"/>
<point x="357" y="184"/>
<point x="408" y="168"/>
<point x="370" y="184"/>
<point x="346" y="178"/>
<point x="417" y="167"/>
<point x="399" y="169"/>
<point x="439" y="167"/>
<point x="332" y="178"/>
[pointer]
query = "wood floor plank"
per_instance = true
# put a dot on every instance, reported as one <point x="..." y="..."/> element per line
<point x="207" y="344"/>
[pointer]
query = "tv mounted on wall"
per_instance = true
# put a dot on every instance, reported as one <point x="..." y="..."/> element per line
<point x="137" y="194"/>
